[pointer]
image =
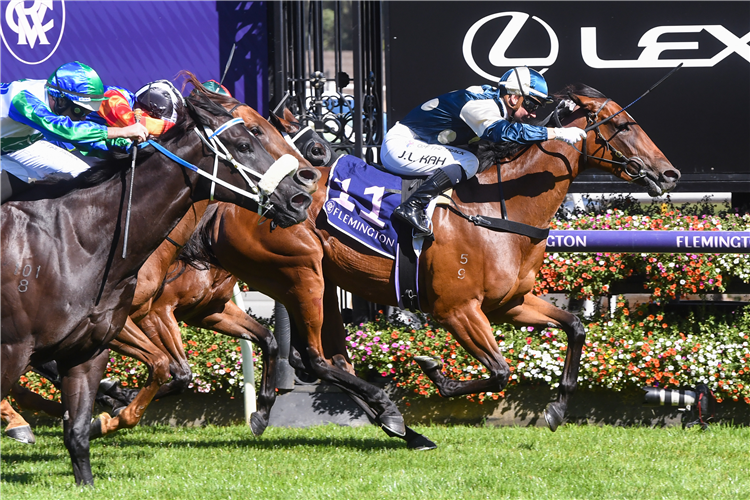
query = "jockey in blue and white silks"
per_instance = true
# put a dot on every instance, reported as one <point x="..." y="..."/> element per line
<point x="424" y="141"/>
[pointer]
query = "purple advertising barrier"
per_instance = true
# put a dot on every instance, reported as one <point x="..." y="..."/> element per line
<point x="132" y="43"/>
<point x="649" y="241"/>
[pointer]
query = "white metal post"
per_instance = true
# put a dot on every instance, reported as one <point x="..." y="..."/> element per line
<point x="247" y="363"/>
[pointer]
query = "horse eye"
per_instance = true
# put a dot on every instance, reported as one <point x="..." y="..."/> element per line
<point x="623" y="127"/>
<point x="317" y="150"/>
<point x="244" y="147"/>
<point x="256" y="131"/>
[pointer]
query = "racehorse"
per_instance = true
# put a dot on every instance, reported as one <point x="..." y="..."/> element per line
<point x="163" y="354"/>
<point x="469" y="276"/>
<point x="66" y="291"/>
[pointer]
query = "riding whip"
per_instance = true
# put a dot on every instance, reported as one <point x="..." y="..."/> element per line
<point x="130" y="194"/>
<point x="593" y="125"/>
<point x="229" y="61"/>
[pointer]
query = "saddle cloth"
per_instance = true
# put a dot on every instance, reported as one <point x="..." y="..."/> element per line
<point x="359" y="202"/>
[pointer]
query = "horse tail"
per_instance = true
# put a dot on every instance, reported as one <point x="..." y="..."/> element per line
<point x="197" y="251"/>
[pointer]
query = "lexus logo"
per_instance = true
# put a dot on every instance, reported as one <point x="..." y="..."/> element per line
<point x="497" y="55"/>
<point x="32" y="33"/>
<point x="654" y="53"/>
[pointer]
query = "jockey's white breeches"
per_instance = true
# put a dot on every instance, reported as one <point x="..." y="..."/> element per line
<point x="403" y="153"/>
<point x="41" y="159"/>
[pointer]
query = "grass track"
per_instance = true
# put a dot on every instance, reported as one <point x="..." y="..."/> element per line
<point x="576" y="462"/>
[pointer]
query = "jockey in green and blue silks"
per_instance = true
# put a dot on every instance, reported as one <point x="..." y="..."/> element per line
<point x="424" y="141"/>
<point x="54" y="110"/>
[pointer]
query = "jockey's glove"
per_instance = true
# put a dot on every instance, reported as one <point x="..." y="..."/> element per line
<point x="571" y="135"/>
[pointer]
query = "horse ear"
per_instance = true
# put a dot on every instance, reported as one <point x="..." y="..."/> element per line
<point x="292" y="125"/>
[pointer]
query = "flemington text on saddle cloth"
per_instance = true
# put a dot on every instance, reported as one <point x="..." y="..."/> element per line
<point x="359" y="202"/>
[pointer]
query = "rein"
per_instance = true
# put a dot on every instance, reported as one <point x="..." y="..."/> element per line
<point x="260" y="191"/>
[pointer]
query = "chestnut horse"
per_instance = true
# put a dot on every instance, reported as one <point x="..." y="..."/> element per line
<point x="66" y="291"/>
<point x="470" y="277"/>
<point x="302" y="265"/>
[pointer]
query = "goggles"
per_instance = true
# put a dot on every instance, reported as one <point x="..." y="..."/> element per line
<point x="530" y="105"/>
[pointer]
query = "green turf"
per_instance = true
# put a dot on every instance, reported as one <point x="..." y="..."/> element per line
<point x="585" y="462"/>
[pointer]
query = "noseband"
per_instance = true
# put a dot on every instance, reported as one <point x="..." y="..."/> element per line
<point x="260" y="192"/>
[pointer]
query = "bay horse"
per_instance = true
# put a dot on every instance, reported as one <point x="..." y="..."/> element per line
<point x="66" y="292"/>
<point x="469" y="276"/>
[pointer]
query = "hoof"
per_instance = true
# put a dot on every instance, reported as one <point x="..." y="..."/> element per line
<point x="258" y="424"/>
<point x="95" y="431"/>
<point x="21" y="434"/>
<point x="98" y="426"/>
<point x="393" y="425"/>
<point x="554" y="416"/>
<point x="420" y="443"/>
<point x="428" y="363"/>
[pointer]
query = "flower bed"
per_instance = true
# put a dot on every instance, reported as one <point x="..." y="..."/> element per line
<point x="629" y="349"/>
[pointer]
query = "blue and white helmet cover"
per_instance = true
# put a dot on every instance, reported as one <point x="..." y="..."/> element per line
<point x="532" y="83"/>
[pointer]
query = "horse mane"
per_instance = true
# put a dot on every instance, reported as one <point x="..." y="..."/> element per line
<point x="491" y="153"/>
<point x="221" y="99"/>
<point x="577" y="89"/>
<point x="197" y="251"/>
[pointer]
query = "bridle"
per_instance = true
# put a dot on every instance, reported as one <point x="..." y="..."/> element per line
<point x="633" y="166"/>
<point x="259" y="191"/>
<point x="622" y="160"/>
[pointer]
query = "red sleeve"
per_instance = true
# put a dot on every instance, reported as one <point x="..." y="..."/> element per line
<point x="117" y="112"/>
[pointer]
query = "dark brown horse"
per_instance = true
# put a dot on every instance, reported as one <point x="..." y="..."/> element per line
<point x="470" y="277"/>
<point x="66" y="289"/>
<point x="160" y="347"/>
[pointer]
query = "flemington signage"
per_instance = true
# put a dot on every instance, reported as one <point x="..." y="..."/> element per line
<point x="619" y="48"/>
<point x="649" y="241"/>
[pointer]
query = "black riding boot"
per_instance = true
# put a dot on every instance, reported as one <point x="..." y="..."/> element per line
<point x="412" y="211"/>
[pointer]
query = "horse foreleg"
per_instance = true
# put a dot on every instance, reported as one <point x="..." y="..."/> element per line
<point x="234" y="322"/>
<point x="473" y="331"/>
<point x="79" y="385"/>
<point x="17" y="427"/>
<point x="307" y="311"/>
<point x="131" y="341"/>
<point x="533" y="311"/>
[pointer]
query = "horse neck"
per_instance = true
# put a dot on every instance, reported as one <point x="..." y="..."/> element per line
<point x="161" y="196"/>
<point x="534" y="185"/>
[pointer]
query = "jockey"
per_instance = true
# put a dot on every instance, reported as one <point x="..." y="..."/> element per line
<point x="423" y="141"/>
<point x="216" y="88"/>
<point x="73" y="91"/>
<point x="56" y="110"/>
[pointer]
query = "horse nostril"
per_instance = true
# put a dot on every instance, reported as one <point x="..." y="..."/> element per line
<point x="308" y="175"/>
<point x="672" y="175"/>
<point x="301" y="200"/>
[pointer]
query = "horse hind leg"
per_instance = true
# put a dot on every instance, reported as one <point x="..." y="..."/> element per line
<point x="414" y="440"/>
<point x="534" y="311"/>
<point x="134" y="343"/>
<point x="16" y="426"/>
